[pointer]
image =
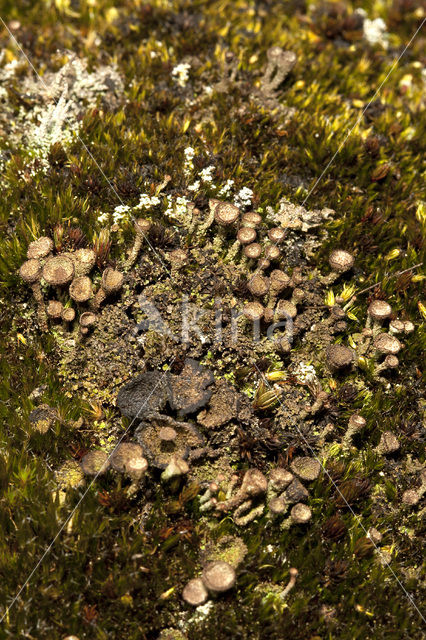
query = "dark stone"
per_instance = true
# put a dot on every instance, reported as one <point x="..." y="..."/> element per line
<point x="146" y="394"/>
<point x="189" y="390"/>
<point x="150" y="392"/>
<point x="223" y="407"/>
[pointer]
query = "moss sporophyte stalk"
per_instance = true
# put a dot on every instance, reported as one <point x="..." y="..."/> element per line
<point x="212" y="320"/>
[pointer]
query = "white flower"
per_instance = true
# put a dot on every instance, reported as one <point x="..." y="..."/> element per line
<point x="205" y="608"/>
<point x="10" y="68"/>
<point x="189" y="154"/>
<point x="180" y="73"/>
<point x="305" y="372"/>
<point x="225" y="190"/>
<point x="146" y="201"/>
<point x="169" y="209"/>
<point x="406" y="82"/>
<point x="244" y="197"/>
<point x="103" y="217"/>
<point x="120" y="212"/>
<point x="361" y="12"/>
<point x="375" y="32"/>
<point x="177" y="208"/>
<point x="206" y="174"/>
<point x="195" y="186"/>
<point x="188" y="165"/>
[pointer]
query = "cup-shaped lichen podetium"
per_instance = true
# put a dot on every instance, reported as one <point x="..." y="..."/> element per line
<point x="340" y="261"/>
<point x="387" y="344"/>
<point x="251" y="316"/>
<point x="195" y="593"/>
<point x="112" y="281"/>
<point x="55" y="309"/>
<point x="81" y="289"/>
<point x="40" y="248"/>
<point x="142" y="226"/>
<point x="278" y="282"/>
<point x="218" y="577"/>
<point x="87" y="322"/>
<point x="339" y="357"/>
<point x="277" y="235"/>
<point x="31" y="272"/>
<point x="245" y="236"/>
<point x="251" y="252"/>
<point x="258" y="285"/>
<point x="280" y="63"/>
<point x="226" y="215"/>
<point x="251" y="220"/>
<point x="162" y="439"/>
<point x="84" y="261"/>
<point x="68" y="316"/>
<point x="58" y="271"/>
<point x="378" y="311"/>
<point x="128" y="458"/>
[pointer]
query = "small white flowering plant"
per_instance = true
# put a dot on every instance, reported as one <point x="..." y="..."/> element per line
<point x="180" y="73"/>
<point x="177" y="208"/>
<point x="204" y="180"/>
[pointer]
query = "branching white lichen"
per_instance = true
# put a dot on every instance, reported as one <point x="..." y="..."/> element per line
<point x="52" y="128"/>
<point x="57" y="100"/>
